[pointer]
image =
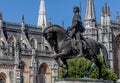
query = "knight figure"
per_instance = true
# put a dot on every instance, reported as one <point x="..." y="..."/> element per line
<point x="75" y="31"/>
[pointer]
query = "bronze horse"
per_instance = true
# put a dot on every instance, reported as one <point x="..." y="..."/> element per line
<point x="60" y="41"/>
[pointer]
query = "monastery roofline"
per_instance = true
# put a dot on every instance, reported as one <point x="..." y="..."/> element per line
<point x="19" y="24"/>
<point x="13" y="25"/>
<point x="113" y="22"/>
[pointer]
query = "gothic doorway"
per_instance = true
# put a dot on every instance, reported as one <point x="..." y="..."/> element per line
<point x="25" y="72"/>
<point x="116" y="54"/>
<point x="44" y="74"/>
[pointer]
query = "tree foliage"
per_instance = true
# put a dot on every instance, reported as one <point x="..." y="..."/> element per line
<point x="78" y="66"/>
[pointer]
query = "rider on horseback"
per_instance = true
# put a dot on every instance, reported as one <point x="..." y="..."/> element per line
<point x="76" y="29"/>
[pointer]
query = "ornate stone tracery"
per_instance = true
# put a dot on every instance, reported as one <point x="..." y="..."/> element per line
<point x="116" y="54"/>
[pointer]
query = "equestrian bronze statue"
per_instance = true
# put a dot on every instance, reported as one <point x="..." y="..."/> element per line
<point x="68" y="44"/>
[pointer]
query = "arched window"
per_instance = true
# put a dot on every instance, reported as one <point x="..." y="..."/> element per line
<point x="11" y="44"/>
<point x="24" y="46"/>
<point x="2" y="80"/>
<point x="44" y="73"/>
<point x="2" y="44"/>
<point x="46" y="48"/>
<point x="25" y="71"/>
<point x="2" y="49"/>
<point x="33" y="43"/>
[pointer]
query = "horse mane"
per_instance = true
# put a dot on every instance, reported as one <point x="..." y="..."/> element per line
<point x="55" y="25"/>
<point x="56" y="28"/>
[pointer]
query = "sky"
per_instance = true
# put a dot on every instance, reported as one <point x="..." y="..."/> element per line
<point x="57" y="10"/>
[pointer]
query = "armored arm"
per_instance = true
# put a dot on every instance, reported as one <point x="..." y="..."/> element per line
<point x="73" y="26"/>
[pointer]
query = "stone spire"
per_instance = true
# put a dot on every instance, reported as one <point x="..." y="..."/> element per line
<point x="1" y="24"/>
<point x="42" y="15"/>
<point x="62" y="23"/>
<point x="90" y="11"/>
<point x="90" y="21"/>
<point x="118" y="18"/>
<point x="22" y="25"/>
<point x="23" y="19"/>
<point x="108" y="11"/>
<point x="0" y="15"/>
<point x="105" y="10"/>
<point x="105" y="17"/>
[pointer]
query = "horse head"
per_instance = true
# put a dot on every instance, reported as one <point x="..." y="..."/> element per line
<point x="54" y="34"/>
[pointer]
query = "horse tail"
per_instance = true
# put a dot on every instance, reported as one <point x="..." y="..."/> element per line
<point x="104" y="54"/>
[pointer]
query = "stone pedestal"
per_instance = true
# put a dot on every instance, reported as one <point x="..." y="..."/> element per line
<point x="82" y="80"/>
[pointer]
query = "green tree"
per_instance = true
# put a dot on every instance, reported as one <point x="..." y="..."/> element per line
<point x="78" y="66"/>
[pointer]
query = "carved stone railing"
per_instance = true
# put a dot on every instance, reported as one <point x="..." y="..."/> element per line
<point x="31" y="28"/>
<point x="6" y="54"/>
<point x="37" y="52"/>
<point x="6" y="61"/>
<point x="7" y="57"/>
<point x="44" y="53"/>
<point x="26" y="52"/>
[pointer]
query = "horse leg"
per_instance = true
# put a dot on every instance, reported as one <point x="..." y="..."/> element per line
<point x="87" y="72"/>
<point x="100" y="71"/>
<point x="66" y="67"/>
<point x="60" y="62"/>
<point x="97" y="62"/>
<point x="58" y="57"/>
<point x="60" y="54"/>
<point x="63" y="65"/>
<point x="105" y="55"/>
<point x="66" y="74"/>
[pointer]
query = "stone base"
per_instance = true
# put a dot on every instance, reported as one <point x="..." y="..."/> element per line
<point x="82" y="80"/>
